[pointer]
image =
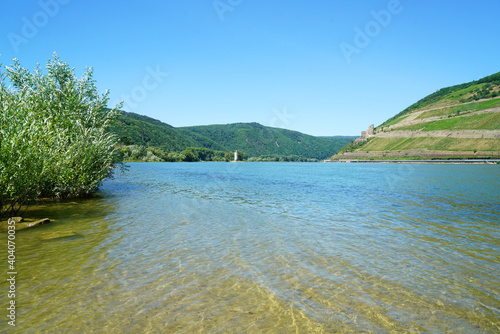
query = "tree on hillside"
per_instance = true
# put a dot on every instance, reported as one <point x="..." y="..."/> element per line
<point x="242" y="156"/>
<point x="188" y="156"/>
<point x="54" y="134"/>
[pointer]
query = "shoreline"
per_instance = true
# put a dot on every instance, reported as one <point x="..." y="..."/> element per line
<point x="423" y="161"/>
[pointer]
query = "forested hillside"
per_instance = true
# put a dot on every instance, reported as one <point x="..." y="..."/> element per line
<point x="251" y="138"/>
<point x="256" y="140"/>
<point x="136" y="129"/>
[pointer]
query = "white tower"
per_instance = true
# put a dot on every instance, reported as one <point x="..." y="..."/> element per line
<point x="236" y="155"/>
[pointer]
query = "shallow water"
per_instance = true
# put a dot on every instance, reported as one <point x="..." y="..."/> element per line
<point x="272" y="248"/>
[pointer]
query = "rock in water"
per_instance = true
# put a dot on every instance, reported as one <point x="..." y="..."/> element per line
<point x="20" y="225"/>
<point x="56" y="235"/>
<point x="38" y="222"/>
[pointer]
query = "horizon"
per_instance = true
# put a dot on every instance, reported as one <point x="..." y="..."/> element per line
<point x="323" y="69"/>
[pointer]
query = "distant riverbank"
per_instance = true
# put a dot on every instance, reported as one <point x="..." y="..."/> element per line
<point x="424" y="161"/>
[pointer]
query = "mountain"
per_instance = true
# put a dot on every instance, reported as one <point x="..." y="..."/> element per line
<point x="461" y="121"/>
<point x="257" y="140"/>
<point x="251" y="138"/>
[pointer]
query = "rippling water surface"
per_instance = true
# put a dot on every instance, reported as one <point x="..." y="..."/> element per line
<point x="273" y="248"/>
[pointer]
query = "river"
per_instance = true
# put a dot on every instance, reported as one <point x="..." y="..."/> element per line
<point x="267" y="248"/>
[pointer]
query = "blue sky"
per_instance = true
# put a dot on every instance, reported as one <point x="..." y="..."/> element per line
<point x="324" y="67"/>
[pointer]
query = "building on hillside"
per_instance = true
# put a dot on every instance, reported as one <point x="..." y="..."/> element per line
<point x="371" y="131"/>
<point x="366" y="134"/>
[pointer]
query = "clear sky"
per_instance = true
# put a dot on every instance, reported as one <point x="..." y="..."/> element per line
<point x="324" y="67"/>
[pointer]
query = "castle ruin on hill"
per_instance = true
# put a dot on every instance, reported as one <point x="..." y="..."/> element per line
<point x="366" y="134"/>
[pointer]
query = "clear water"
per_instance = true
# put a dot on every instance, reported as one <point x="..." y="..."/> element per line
<point x="267" y="248"/>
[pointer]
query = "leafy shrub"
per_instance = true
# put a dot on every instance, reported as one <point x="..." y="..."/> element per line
<point x="188" y="156"/>
<point x="54" y="138"/>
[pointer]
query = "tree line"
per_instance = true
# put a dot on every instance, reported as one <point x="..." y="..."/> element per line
<point x="139" y="153"/>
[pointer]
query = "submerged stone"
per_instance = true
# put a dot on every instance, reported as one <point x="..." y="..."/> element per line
<point x="56" y="235"/>
<point x="21" y="224"/>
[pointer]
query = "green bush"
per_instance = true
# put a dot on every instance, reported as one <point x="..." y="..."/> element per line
<point x="54" y="138"/>
<point x="188" y="156"/>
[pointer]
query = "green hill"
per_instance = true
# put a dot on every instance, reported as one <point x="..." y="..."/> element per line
<point x="251" y="138"/>
<point x="136" y="129"/>
<point x="257" y="140"/>
<point x="458" y="121"/>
